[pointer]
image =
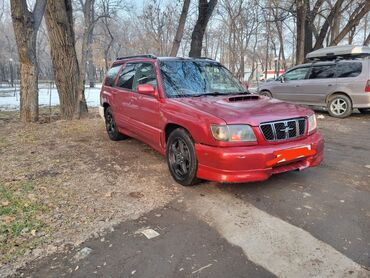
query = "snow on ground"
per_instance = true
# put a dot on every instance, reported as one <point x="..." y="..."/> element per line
<point x="9" y="97"/>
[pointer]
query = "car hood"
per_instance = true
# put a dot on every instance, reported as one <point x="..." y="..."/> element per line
<point x="245" y="109"/>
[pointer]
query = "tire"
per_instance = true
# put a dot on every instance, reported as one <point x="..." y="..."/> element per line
<point x="111" y="127"/>
<point x="181" y="158"/>
<point x="266" y="94"/>
<point x="364" y="110"/>
<point x="339" y="106"/>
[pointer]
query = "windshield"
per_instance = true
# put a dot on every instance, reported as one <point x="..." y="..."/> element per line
<point x="184" y="78"/>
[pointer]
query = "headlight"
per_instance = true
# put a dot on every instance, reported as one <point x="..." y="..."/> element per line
<point x="233" y="133"/>
<point x="311" y="123"/>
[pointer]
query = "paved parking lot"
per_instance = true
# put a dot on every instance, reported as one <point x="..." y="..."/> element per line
<point x="314" y="223"/>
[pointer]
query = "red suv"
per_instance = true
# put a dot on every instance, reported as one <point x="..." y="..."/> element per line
<point x="193" y="111"/>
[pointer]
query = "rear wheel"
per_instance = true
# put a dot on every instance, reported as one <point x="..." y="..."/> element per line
<point x="110" y="125"/>
<point x="266" y="94"/>
<point x="181" y="157"/>
<point x="339" y="106"/>
<point x="364" y="110"/>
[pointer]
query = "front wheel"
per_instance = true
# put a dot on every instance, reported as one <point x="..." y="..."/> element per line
<point x="181" y="157"/>
<point x="339" y="106"/>
<point x="364" y="110"/>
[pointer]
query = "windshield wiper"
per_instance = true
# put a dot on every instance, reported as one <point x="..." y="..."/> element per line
<point x="209" y="94"/>
<point x="238" y="93"/>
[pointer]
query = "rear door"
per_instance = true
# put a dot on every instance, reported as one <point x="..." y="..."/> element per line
<point x="108" y="89"/>
<point x="290" y="88"/>
<point x="321" y="83"/>
<point x="123" y="96"/>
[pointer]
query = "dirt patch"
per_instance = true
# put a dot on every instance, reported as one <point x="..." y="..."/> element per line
<point x="81" y="184"/>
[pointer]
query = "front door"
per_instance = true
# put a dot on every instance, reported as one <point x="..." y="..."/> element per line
<point x="290" y="88"/>
<point x="145" y="109"/>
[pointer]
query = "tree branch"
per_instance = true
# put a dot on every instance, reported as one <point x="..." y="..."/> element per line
<point x="38" y="13"/>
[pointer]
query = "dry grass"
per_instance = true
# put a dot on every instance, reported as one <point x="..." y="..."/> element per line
<point x="64" y="181"/>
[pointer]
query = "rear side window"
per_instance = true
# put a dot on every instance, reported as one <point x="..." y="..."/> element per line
<point x="126" y="78"/>
<point x="322" y="72"/>
<point x="111" y="75"/>
<point x="352" y="69"/>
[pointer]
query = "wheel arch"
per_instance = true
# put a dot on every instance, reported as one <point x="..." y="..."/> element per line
<point x="265" y="90"/>
<point x="338" y="93"/>
<point x="106" y="105"/>
<point x="170" y="127"/>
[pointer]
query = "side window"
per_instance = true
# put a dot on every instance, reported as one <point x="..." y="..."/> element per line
<point x="126" y="78"/>
<point x="145" y="74"/>
<point x="349" y="69"/>
<point x="111" y="75"/>
<point x="296" y="74"/>
<point x="322" y="72"/>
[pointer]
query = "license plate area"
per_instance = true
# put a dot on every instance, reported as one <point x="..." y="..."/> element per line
<point x="291" y="154"/>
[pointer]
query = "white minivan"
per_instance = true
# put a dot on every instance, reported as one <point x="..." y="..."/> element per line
<point x="338" y="78"/>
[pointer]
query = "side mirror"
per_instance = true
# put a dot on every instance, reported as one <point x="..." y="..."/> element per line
<point x="147" y="89"/>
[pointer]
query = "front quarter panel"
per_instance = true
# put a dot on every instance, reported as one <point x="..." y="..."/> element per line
<point x="196" y="122"/>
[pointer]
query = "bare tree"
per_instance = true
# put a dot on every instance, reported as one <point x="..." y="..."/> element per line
<point x="180" y="28"/>
<point x="59" y="23"/>
<point x="205" y="10"/>
<point x="26" y="24"/>
<point x="361" y="10"/>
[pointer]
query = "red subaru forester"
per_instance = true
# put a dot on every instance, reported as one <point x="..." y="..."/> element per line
<point x="197" y="114"/>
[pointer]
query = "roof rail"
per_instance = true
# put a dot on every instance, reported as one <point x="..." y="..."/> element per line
<point x="138" y="56"/>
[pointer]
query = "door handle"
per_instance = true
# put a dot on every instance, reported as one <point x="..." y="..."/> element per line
<point x="298" y="85"/>
<point x="330" y="85"/>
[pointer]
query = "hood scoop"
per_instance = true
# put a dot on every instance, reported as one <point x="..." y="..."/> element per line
<point x="243" y="98"/>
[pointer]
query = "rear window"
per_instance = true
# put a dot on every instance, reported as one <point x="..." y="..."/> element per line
<point x="349" y="69"/>
<point x="111" y="75"/>
<point x="322" y="72"/>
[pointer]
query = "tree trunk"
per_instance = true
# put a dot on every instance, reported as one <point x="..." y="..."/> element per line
<point x="205" y="10"/>
<point x="81" y="107"/>
<point x="335" y="25"/>
<point x="26" y="25"/>
<point x="91" y="71"/>
<point x="301" y="20"/>
<point x="59" y="22"/>
<point x="180" y="28"/>
<point x="367" y="40"/>
<point x="308" y="34"/>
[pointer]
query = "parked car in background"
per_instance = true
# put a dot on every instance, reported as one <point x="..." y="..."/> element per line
<point x="338" y="78"/>
<point x="204" y="121"/>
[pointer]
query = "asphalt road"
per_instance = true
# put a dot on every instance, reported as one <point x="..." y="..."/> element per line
<point x="314" y="223"/>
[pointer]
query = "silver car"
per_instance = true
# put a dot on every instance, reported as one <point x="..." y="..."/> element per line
<point x="340" y="85"/>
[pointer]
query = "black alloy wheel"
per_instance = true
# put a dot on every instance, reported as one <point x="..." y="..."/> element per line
<point x="181" y="157"/>
<point x="111" y="126"/>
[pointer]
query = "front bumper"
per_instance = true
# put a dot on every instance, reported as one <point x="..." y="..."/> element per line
<point x="248" y="164"/>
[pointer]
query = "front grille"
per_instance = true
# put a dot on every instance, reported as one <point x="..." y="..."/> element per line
<point x="283" y="130"/>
